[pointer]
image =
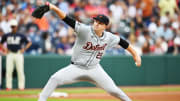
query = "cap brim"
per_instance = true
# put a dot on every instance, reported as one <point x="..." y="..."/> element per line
<point x="13" y="25"/>
<point x="98" y="19"/>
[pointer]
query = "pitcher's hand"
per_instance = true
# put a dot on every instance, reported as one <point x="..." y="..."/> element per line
<point x="137" y="60"/>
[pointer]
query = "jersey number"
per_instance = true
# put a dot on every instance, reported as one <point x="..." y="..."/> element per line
<point x="99" y="55"/>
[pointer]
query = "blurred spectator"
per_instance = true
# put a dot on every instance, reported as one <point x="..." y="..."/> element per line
<point x="4" y="24"/>
<point x="79" y="10"/>
<point x="38" y="2"/>
<point x="35" y="39"/>
<point x="145" y="36"/>
<point x="63" y="31"/>
<point x="164" y="44"/>
<point x="115" y="51"/>
<point x="132" y="27"/>
<point x="164" y="31"/>
<point x="158" y="49"/>
<point x="165" y="18"/>
<point x="42" y="23"/>
<point x="3" y="7"/>
<point x="63" y="46"/>
<point x="29" y="7"/>
<point x="146" y="48"/>
<point x="1" y="34"/>
<point x="124" y="28"/>
<point x="139" y="22"/>
<point x="146" y="7"/>
<point x="53" y="24"/>
<point x="132" y="9"/>
<point x="63" y="5"/>
<point x="168" y="6"/>
<point x="139" y="25"/>
<point x="133" y="41"/>
<point x="9" y="11"/>
<point x="46" y="45"/>
<point x="175" y="47"/>
<point x="71" y="40"/>
<point x="175" y="24"/>
<point x="91" y="9"/>
<point x="114" y="8"/>
<point x="102" y="8"/>
<point x="178" y="3"/>
<point x="129" y="18"/>
<point x="153" y="26"/>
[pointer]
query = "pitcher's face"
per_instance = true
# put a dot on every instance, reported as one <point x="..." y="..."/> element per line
<point x="99" y="26"/>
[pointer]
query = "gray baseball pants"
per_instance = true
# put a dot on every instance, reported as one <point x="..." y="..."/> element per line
<point x="74" y="73"/>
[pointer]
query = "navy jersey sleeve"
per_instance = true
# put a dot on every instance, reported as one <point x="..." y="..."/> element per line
<point x="4" y="38"/>
<point x="24" y="40"/>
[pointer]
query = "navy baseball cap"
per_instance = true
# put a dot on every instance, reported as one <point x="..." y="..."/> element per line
<point x="102" y="18"/>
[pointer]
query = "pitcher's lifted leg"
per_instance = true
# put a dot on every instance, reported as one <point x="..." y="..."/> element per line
<point x="103" y="80"/>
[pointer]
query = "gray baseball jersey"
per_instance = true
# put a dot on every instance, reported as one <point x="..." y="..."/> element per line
<point x="89" y="48"/>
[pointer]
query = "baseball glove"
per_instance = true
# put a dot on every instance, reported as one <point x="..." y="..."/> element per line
<point x="39" y="12"/>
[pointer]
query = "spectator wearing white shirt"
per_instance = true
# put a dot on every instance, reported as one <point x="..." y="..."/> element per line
<point x="117" y="12"/>
<point x="4" y="24"/>
<point x="164" y="31"/>
<point x="152" y="26"/>
<point x="131" y="9"/>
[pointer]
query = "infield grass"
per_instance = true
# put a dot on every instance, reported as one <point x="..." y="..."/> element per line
<point x="4" y="94"/>
<point x="94" y="90"/>
<point x="35" y="99"/>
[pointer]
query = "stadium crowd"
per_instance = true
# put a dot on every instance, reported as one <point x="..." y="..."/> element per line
<point x="151" y="26"/>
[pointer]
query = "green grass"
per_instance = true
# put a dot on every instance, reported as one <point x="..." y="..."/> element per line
<point x="94" y="90"/>
<point x="151" y="89"/>
<point x="35" y="99"/>
<point x="80" y="90"/>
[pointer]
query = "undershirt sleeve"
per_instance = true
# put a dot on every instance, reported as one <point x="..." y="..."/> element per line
<point x="123" y="43"/>
<point x="70" y="21"/>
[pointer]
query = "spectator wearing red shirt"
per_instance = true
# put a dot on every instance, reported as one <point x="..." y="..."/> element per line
<point x="91" y="9"/>
<point x="102" y="8"/>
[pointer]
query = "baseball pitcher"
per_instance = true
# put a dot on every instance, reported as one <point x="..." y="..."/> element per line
<point x="90" y="45"/>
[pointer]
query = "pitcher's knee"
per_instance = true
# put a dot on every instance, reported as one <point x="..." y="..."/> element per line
<point x="56" y="79"/>
<point x="53" y="78"/>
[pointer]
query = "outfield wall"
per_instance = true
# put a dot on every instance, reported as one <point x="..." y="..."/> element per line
<point x="155" y="70"/>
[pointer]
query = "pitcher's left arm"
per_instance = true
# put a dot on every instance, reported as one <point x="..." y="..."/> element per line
<point x="129" y="48"/>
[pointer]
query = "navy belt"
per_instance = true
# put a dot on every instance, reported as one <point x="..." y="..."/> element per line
<point x="14" y="51"/>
